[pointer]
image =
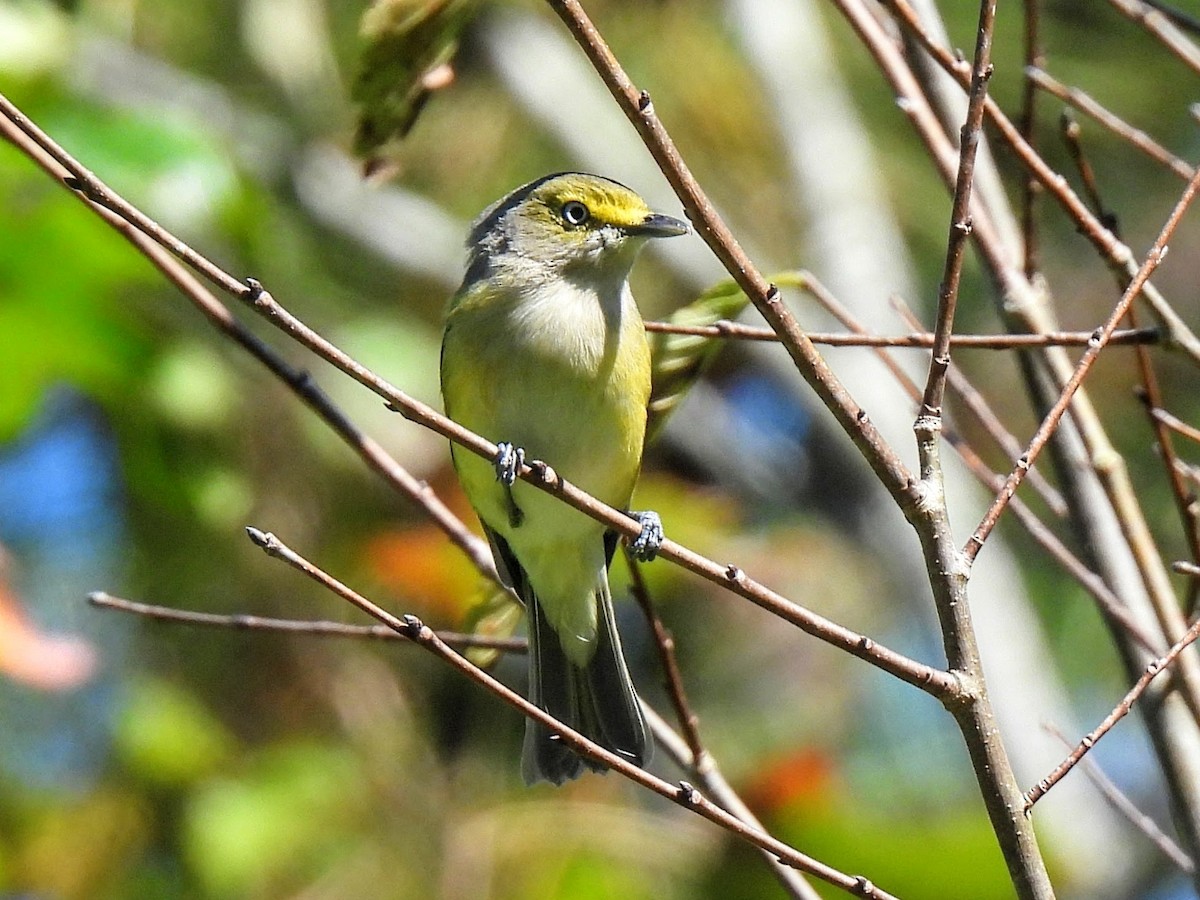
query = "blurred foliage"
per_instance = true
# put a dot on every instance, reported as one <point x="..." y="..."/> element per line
<point x="408" y="47"/>
<point x="245" y="765"/>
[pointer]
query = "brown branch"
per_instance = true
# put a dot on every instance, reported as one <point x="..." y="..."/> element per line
<point x="1184" y="20"/>
<point x="1072" y="136"/>
<point x="1186" y="506"/>
<point x="947" y="567"/>
<point x="682" y="793"/>
<point x="1126" y="807"/>
<point x="689" y="722"/>
<point x="929" y="419"/>
<point x="1109" y="603"/>
<point x="541" y="475"/>
<point x="974" y="403"/>
<point x="1122" y="709"/>
<point x="1083" y="102"/>
<point x="1163" y="28"/>
<point x="1030" y="188"/>
<point x="1176" y="424"/>
<point x="243" y="622"/>
<point x="709" y="777"/>
<point x="916" y="340"/>
<point x="55" y="161"/>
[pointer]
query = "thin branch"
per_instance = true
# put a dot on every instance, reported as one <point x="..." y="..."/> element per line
<point x="916" y="340"/>
<point x="705" y="771"/>
<point x="1163" y="28"/>
<point x="1126" y="807"/>
<point x="53" y="159"/>
<point x="243" y="622"/>
<point x="1030" y="188"/>
<point x="971" y="707"/>
<point x="682" y="793"/>
<point x="1186" y="505"/>
<point x="1109" y="603"/>
<point x="541" y="475"/>
<point x="1176" y="424"/>
<point x="973" y="401"/>
<point x="1179" y="17"/>
<point x="713" y="782"/>
<point x="1083" y="102"/>
<point x="1072" y="136"/>
<point x="1122" y="709"/>
<point x="689" y="722"/>
<point x="929" y="419"/>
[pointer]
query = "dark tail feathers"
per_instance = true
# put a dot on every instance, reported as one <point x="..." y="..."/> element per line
<point x="598" y="700"/>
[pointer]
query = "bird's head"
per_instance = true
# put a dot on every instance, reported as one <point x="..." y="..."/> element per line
<point x="564" y="222"/>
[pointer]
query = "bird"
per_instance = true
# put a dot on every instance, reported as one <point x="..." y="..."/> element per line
<point x="544" y="353"/>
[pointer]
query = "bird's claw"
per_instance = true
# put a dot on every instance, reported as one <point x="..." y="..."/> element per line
<point x="645" y="545"/>
<point x="509" y="460"/>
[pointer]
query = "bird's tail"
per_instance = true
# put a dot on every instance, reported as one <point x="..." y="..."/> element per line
<point x="597" y="700"/>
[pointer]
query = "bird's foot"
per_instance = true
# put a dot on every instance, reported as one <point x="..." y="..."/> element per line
<point x="509" y="460"/>
<point x="645" y="545"/>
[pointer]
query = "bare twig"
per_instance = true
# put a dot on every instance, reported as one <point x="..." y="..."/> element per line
<point x="1122" y="709"/>
<point x="689" y="722"/>
<point x="1119" y="256"/>
<point x="1162" y="27"/>
<point x="974" y="402"/>
<point x="1030" y="188"/>
<point x="1184" y="20"/>
<point x="153" y="244"/>
<point x="1176" y="424"/>
<point x="243" y="622"/>
<point x="929" y="420"/>
<point x="971" y="708"/>
<point x="1087" y="579"/>
<point x="916" y="340"/>
<point x="1083" y="102"/>
<point x="1185" y="499"/>
<point x="710" y="778"/>
<point x="1072" y="136"/>
<point x="1126" y="807"/>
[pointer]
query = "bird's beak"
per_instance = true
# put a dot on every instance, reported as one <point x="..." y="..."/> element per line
<point x="656" y="225"/>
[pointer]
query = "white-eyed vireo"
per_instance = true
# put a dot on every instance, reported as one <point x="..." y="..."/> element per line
<point x="545" y="353"/>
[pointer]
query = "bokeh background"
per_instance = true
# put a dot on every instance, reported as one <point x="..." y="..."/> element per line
<point x="142" y="760"/>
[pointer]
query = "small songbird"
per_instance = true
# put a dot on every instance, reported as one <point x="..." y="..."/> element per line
<point x="545" y="353"/>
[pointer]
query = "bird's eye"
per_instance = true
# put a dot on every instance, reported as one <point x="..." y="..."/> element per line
<point x="575" y="213"/>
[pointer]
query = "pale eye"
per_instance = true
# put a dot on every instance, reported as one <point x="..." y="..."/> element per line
<point x="575" y="213"/>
